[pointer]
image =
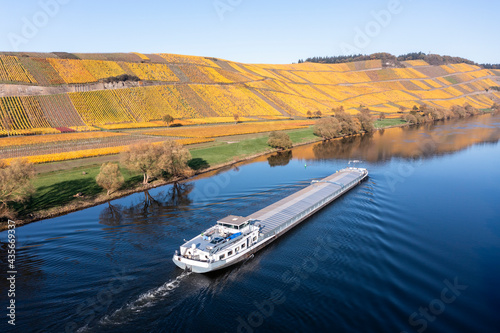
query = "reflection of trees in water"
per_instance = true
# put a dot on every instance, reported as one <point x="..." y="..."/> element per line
<point x="178" y="195"/>
<point x="280" y="159"/>
<point x="345" y="148"/>
<point x="422" y="141"/>
<point x="111" y="215"/>
<point x="173" y="199"/>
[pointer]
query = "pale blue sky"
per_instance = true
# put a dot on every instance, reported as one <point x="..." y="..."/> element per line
<point x="254" y="31"/>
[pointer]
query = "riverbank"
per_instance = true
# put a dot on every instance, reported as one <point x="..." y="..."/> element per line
<point x="65" y="191"/>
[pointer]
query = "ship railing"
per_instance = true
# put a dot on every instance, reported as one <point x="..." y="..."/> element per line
<point x="311" y="209"/>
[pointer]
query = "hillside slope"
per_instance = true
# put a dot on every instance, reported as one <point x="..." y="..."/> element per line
<point x="53" y="92"/>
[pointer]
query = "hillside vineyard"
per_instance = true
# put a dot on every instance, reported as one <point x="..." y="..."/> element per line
<point x="42" y="93"/>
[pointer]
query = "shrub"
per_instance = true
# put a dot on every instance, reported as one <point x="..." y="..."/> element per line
<point x="280" y="140"/>
<point x="110" y="178"/>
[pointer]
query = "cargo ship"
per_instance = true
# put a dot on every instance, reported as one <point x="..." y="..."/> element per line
<point x="236" y="238"/>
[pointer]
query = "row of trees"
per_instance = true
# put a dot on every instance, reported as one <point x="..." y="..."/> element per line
<point x="316" y="114"/>
<point x="343" y="124"/>
<point x="350" y="58"/>
<point x="432" y="59"/>
<point x="425" y="114"/>
<point x="121" y="78"/>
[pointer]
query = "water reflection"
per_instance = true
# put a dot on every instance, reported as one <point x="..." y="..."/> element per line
<point x="173" y="199"/>
<point x="420" y="141"/>
<point x="280" y="159"/>
<point x="111" y="215"/>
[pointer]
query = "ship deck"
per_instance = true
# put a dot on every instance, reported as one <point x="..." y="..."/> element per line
<point x="279" y="213"/>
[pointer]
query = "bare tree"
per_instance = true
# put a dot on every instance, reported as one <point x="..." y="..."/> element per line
<point x="327" y="128"/>
<point x="280" y="140"/>
<point x="15" y="184"/>
<point x="110" y="178"/>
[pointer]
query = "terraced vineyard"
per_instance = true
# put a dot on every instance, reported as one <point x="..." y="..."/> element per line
<point x="190" y="87"/>
<point x="12" y="70"/>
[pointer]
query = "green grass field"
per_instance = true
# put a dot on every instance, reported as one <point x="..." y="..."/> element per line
<point x="226" y="152"/>
<point x="55" y="189"/>
<point x="388" y="123"/>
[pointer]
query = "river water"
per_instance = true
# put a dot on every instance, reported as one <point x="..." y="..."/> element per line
<point x="414" y="248"/>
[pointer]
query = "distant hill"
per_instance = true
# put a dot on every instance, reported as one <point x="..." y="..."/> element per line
<point x="431" y="59"/>
<point x="44" y="92"/>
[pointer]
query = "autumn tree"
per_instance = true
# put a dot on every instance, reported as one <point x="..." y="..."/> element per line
<point x="381" y="116"/>
<point x="495" y="107"/>
<point x="280" y="140"/>
<point x="409" y="118"/>
<point x="402" y="109"/>
<point x="145" y="158"/>
<point x="470" y="110"/>
<point x="318" y="114"/>
<point x="168" y="119"/>
<point x="15" y="184"/>
<point x="347" y="122"/>
<point x="309" y="114"/>
<point x="236" y="117"/>
<point x="153" y="159"/>
<point x="366" y="122"/>
<point x="110" y="178"/>
<point x="327" y="128"/>
<point x="437" y="114"/>
<point x="176" y="158"/>
<point x="459" y="111"/>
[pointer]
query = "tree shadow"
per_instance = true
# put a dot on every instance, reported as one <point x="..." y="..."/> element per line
<point x="198" y="164"/>
<point x="132" y="181"/>
<point x="59" y="194"/>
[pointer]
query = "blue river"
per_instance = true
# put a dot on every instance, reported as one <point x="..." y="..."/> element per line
<point x="415" y="248"/>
